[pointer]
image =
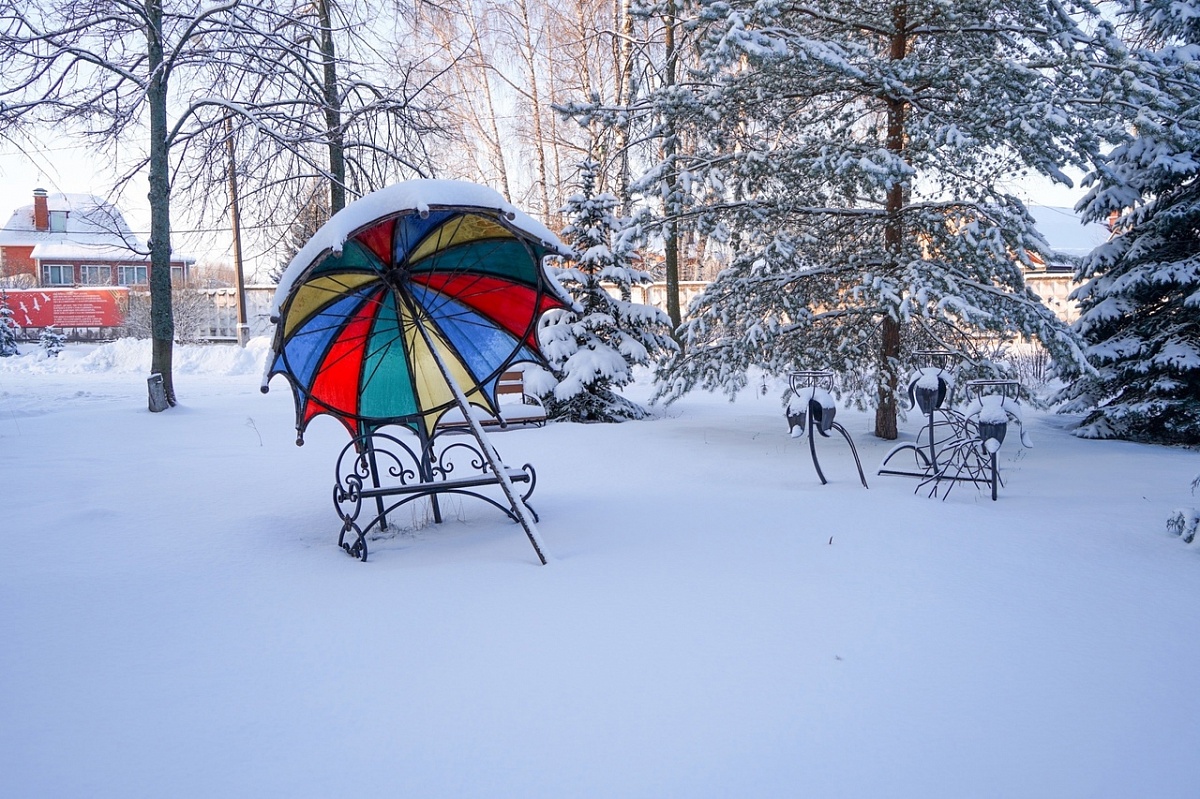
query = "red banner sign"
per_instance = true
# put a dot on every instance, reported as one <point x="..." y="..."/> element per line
<point x="68" y="307"/>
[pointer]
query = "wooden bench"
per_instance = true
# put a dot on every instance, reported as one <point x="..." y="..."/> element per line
<point x="527" y="411"/>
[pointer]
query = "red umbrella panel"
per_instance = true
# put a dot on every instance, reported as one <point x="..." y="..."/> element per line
<point x="356" y="332"/>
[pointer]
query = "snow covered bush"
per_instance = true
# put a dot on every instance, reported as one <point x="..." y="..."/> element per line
<point x="191" y="310"/>
<point x="1140" y="304"/>
<point x="593" y="347"/>
<point x="8" y="328"/>
<point x="52" y="341"/>
<point x="1184" y="521"/>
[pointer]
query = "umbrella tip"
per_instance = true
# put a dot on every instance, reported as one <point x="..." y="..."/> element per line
<point x="299" y="439"/>
<point x="264" y="388"/>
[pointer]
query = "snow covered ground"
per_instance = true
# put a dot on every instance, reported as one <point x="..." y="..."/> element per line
<point x="175" y="620"/>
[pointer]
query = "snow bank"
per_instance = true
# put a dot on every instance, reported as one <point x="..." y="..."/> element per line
<point x="133" y="356"/>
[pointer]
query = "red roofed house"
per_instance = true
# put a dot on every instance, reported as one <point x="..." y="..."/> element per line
<point x="75" y="240"/>
<point x="76" y="259"/>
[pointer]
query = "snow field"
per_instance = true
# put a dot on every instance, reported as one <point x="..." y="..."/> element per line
<point x="176" y="620"/>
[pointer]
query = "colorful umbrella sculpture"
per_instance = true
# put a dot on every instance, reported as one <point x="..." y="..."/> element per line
<point x="421" y="266"/>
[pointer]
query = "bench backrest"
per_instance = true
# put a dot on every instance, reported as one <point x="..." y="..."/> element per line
<point x="512" y="382"/>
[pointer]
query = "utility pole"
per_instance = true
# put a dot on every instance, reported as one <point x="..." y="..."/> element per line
<point x="243" y="327"/>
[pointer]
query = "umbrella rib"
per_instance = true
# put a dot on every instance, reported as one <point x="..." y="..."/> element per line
<point x="324" y="363"/>
<point x="307" y="328"/>
<point x="364" y="378"/>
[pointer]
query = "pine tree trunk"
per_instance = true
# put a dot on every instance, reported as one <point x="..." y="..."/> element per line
<point x="886" y="409"/>
<point x="671" y="210"/>
<point x="162" y="320"/>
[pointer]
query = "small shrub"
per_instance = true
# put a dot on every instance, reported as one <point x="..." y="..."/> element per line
<point x="52" y="341"/>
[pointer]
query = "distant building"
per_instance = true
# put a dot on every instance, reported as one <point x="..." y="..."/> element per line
<point x="75" y="240"/>
<point x="1069" y="239"/>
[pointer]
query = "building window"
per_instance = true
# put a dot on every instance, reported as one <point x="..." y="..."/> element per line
<point x="58" y="221"/>
<point x="176" y="275"/>
<point x="58" y="275"/>
<point x="94" y="275"/>
<point x="131" y="275"/>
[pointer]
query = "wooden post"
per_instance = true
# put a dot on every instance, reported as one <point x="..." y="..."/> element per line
<point x="485" y="446"/>
<point x="243" y="328"/>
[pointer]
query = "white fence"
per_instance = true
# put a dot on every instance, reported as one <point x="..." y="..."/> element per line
<point x="221" y="325"/>
<point x="221" y="321"/>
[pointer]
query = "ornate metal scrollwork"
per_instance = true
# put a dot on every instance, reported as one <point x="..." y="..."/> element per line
<point x="380" y="467"/>
<point x="960" y="446"/>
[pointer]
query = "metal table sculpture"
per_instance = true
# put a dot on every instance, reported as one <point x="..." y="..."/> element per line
<point x="958" y="445"/>
<point x="813" y="413"/>
<point x="408" y="303"/>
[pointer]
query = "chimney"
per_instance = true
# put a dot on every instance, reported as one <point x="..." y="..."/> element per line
<point x="41" y="211"/>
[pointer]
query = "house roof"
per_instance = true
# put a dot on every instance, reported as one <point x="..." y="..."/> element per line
<point x="89" y="220"/>
<point x="92" y="229"/>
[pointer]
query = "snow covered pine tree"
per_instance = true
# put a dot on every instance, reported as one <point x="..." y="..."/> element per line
<point x="1140" y="306"/>
<point x="8" y="328"/>
<point x="856" y="154"/>
<point x="52" y="340"/>
<point x="592" y="350"/>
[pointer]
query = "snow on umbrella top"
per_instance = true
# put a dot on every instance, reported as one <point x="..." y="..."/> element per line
<point x="418" y="266"/>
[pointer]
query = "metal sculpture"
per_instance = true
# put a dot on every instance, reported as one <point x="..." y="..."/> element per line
<point x="930" y="389"/>
<point x="957" y="445"/>
<point x="814" y="413"/>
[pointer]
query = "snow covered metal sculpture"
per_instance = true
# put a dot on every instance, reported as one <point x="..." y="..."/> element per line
<point x="958" y="445"/>
<point x="996" y="403"/>
<point x="931" y="389"/>
<point x="407" y="303"/>
<point x="813" y="411"/>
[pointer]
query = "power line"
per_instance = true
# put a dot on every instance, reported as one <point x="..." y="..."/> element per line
<point x="198" y="230"/>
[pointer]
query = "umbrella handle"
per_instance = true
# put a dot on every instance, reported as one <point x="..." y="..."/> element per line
<point x="489" y="452"/>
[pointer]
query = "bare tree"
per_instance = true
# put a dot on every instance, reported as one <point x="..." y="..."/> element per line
<point x="462" y="38"/>
<point x="340" y="104"/>
<point x="113" y="69"/>
<point x="164" y="79"/>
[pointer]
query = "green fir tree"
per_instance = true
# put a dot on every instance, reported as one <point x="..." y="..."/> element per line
<point x="8" y="328"/>
<point x="593" y="347"/>
<point x="1140" y="302"/>
<point x="855" y="158"/>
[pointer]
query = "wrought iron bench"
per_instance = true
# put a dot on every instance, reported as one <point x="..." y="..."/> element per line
<point x="380" y="473"/>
